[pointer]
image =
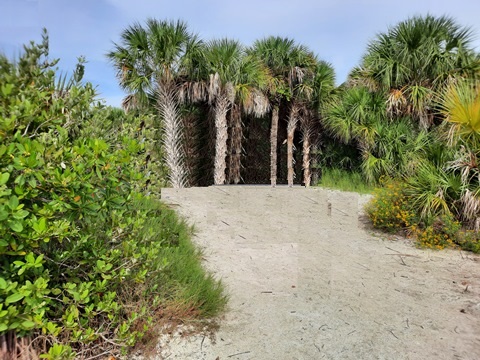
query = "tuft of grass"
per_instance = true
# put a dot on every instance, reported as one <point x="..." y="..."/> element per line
<point x="182" y="280"/>
<point x="344" y="180"/>
<point x="176" y="289"/>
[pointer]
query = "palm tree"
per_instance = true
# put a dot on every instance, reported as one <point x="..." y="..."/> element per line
<point x="234" y="80"/>
<point x="461" y="106"/>
<point x="149" y="61"/>
<point x="386" y="147"/>
<point x="288" y="64"/>
<point x="413" y="61"/>
<point x="322" y="84"/>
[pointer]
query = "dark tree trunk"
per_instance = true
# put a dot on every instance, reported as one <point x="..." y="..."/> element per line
<point x="273" y="144"/>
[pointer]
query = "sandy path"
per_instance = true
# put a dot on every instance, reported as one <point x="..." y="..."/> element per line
<point x="306" y="281"/>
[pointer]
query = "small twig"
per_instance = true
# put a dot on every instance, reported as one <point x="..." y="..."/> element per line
<point x="362" y="265"/>
<point x="110" y="341"/>
<point x="201" y="344"/>
<point x="314" y="201"/>
<point x="225" y="192"/>
<point x="351" y="332"/>
<point x="343" y="212"/>
<point x="318" y="347"/>
<point x="225" y="223"/>
<point x="393" y="334"/>
<point x="266" y="292"/>
<point x="241" y="353"/>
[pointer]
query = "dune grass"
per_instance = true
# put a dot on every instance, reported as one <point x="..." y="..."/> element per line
<point x="339" y="179"/>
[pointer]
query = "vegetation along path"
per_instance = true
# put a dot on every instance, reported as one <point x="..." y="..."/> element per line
<point x="306" y="280"/>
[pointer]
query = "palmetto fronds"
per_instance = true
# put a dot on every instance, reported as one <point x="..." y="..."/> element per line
<point x="433" y="191"/>
<point x="461" y="106"/>
<point x="151" y="61"/>
<point x="415" y="59"/>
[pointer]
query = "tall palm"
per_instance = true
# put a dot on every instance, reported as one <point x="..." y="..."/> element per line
<point x="415" y="59"/>
<point x="234" y="80"/>
<point x="322" y="84"/>
<point x="149" y="60"/>
<point x="288" y="63"/>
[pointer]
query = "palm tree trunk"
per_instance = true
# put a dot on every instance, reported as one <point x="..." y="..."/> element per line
<point x="273" y="146"/>
<point x="314" y="162"/>
<point x="291" y="127"/>
<point x="221" y="127"/>
<point x="172" y="139"/>
<point x="306" y="159"/>
<point x="236" y="145"/>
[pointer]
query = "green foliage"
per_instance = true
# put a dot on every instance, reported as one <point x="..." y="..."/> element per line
<point x="344" y="180"/>
<point x="389" y="209"/>
<point x="441" y="233"/>
<point x="86" y="259"/>
<point x="468" y="240"/>
<point x="433" y="191"/>
<point x="387" y="147"/>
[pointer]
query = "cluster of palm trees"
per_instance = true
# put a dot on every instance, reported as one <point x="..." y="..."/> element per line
<point x="410" y="109"/>
<point x="163" y="65"/>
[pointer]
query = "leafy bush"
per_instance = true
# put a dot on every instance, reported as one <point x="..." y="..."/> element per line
<point x="389" y="209"/>
<point x="468" y="240"/>
<point x="394" y="208"/>
<point x="440" y="234"/>
<point x="87" y="260"/>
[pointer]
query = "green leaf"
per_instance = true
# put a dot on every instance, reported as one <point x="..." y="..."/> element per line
<point x="32" y="182"/>
<point x="30" y="258"/>
<point x="14" y="298"/>
<point x="39" y="259"/>
<point x="7" y="89"/>
<point x="4" y="178"/>
<point x="3" y="284"/>
<point x="16" y="226"/>
<point x="27" y="324"/>
<point x="20" y="214"/>
<point x="13" y="202"/>
<point x="40" y="225"/>
<point x="3" y="327"/>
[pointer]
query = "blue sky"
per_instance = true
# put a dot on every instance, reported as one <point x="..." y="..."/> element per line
<point x="337" y="31"/>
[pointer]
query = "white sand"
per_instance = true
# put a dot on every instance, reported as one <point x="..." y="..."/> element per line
<point x="307" y="281"/>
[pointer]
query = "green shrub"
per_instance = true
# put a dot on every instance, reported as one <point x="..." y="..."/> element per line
<point x="389" y="209"/>
<point x="87" y="261"/>
<point x="468" y="240"/>
<point x="441" y="233"/>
